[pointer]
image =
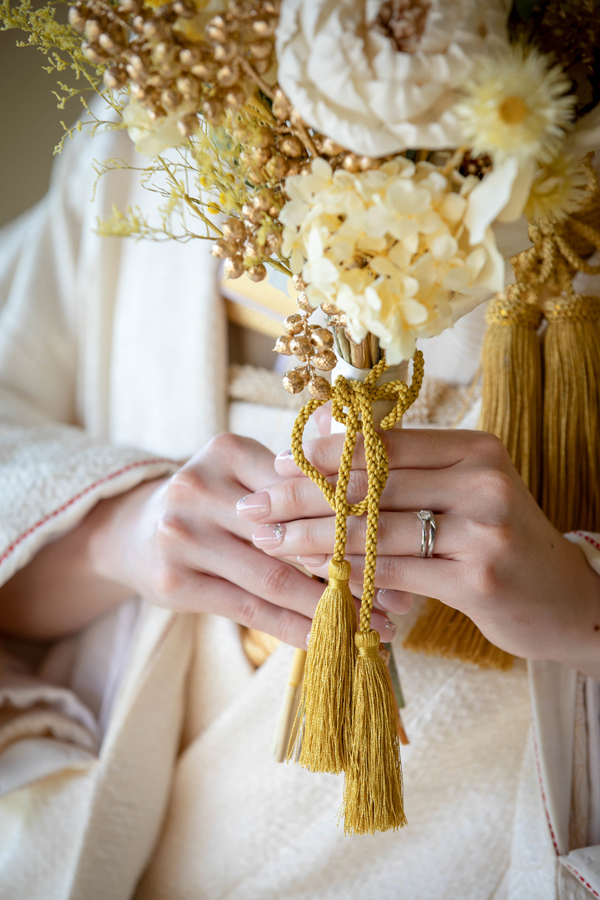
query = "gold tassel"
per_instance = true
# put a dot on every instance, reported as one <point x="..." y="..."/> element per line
<point x="511" y="401"/>
<point x="570" y="494"/>
<point x="341" y="701"/>
<point x="373" y="793"/>
<point x="512" y="410"/>
<point x="327" y="690"/>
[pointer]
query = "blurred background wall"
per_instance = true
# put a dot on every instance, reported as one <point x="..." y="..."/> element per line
<point x="30" y="125"/>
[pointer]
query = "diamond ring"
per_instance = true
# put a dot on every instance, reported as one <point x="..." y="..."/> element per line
<point x="427" y="532"/>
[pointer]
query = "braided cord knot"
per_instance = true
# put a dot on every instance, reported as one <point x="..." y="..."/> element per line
<point x="352" y="405"/>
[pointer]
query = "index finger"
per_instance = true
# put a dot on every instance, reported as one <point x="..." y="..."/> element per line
<point x="410" y="448"/>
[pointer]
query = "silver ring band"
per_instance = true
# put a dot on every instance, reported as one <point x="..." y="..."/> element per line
<point x="428" y="528"/>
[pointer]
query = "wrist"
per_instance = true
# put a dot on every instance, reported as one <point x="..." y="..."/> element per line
<point x="581" y="648"/>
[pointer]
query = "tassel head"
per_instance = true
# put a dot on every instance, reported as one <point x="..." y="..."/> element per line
<point x="373" y="794"/>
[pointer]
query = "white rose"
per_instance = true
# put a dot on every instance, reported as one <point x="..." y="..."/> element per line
<point x="153" y="137"/>
<point x="352" y="83"/>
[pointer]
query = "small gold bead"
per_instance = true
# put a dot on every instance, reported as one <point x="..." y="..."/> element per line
<point x="233" y="229"/>
<point x="170" y="99"/>
<point x="257" y="273"/>
<point x="365" y="163"/>
<point x="294" y="324"/>
<point x="282" y="345"/>
<point x="252" y="251"/>
<point x="94" y="53"/>
<point x="138" y="23"/>
<point x="215" y="34"/>
<point x="203" y="70"/>
<point x="322" y="339"/>
<point x="260" y="49"/>
<point x="330" y="309"/>
<point x="222" y="249"/>
<point x="330" y="148"/>
<point x="252" y="215"/>
<point x="212" y="109"/>
<point x="282" y="108"/>
<point x="325" y="360"/>
<point x="189" y="56"/>
<point x="277" y="167"/>
<point x="261" y="156"/>
<point x="188" y="125"/>
<point x="228" y="75"/>
<point x="293" y="382"/>
<point x="233" y="267"/>
<point x="224" y="53"/>
<point x="115" y="78"/>
<point x="235" y="97"/>
<point x="263" y="28"/>
<point x="262" y="66"/>
<point x="298" y="282"/>
<point x="304" y="303"/>
<point x="188" y="87"/>
<point x="291" y="147"/>
<point x="301" y="346"/>
<point x="184" y="8"/>
<point x="319" y="388"/>
<point x="350" y="163"/>
<point x="77" y="18"/>
<point x="92" y="30"/>
<point x="273" y="241"/>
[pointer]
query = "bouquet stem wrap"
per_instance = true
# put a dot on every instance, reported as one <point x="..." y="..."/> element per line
<point x="348" y="702"/>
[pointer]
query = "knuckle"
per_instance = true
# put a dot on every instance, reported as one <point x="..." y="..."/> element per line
<point x="499" y="488"/>
<point x="490" y="448"/>
<point x="292" y="492"/>
<point x="485" y="579"/>
<point x="171" y="530"/>
<point x="387" y="571"/>
<point x="168" y="581"/>
<point x="188" y="483"/>
<point x="275" y="581"/>
<point x="287" y="626"/>
<point x="249" y="611"/>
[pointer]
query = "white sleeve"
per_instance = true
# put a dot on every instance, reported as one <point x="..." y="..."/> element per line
<point x="51" y="472"/>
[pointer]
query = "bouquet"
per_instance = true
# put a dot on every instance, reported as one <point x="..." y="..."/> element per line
<point x="388" y="156"/>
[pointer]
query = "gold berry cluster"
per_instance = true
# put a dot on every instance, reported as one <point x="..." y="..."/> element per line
<point x="311" y="345"/>
<point x="251" y="239"/>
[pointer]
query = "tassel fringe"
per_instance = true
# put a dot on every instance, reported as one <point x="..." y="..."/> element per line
<point x="373" y="793"/>
<point x="570" y="494"/>
<point x="327" y="691"/>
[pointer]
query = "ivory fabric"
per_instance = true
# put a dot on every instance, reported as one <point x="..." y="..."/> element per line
<point x="112" y="368"/>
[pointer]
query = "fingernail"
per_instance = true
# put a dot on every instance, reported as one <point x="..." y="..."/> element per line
<point x="254" y="506"/>
<point x="307" y="639"/>
<point x="314" y="561"/>
<point x="385" y="627"/>
<point x="269" y="537"/>
<point x="388" y="599"/>
<point x="282" y="457"/>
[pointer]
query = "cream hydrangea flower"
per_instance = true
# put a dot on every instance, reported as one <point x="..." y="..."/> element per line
<point x="151" y="138"/>
<point x="354" y="84"/>
<point x="390" y="248"/>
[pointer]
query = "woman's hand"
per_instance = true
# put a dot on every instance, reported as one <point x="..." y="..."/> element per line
<point x="497" y="558"/>
<point x="179" y="542"/>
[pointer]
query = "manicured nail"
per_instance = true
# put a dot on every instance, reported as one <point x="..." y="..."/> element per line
<point x="388" y="599"/>
<point x="254" y="506"/>
<point x="385" y="627"/>
<point x="283" y="457"/>
<point x="307" y="639"/>
<point x="313" y="562"/>
<point x="269" y="537"/>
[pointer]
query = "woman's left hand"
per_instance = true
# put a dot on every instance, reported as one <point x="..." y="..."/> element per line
<point x="497" y="558"/>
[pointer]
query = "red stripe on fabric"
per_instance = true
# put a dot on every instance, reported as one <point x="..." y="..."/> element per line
<point x="587" y="537"/>
<point x="539" y="769"/>
<point x="581" y="879"/>
<point x="91" y="487"/>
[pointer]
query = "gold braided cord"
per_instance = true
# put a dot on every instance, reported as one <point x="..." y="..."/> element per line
<point x="358" y="398"/>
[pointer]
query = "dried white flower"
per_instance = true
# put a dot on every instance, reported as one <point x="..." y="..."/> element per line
<point x="354" y="84"/>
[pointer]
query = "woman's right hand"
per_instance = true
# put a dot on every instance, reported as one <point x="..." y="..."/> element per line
<point x="181" y="543"/>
